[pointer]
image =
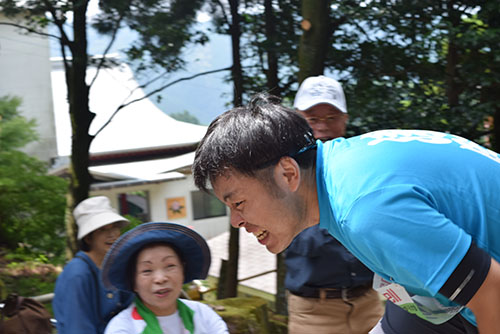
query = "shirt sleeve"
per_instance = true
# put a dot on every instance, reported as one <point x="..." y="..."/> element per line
<point x="212" y="322"/>
<point x="399" y="233"/>
<point x="120" y="324"/>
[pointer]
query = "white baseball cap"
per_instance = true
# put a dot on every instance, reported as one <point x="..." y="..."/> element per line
<point x="317" y="90"/>
<point x="94" y="213"/>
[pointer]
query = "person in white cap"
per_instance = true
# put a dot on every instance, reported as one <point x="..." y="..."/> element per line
<point x="81" y="303"/>
<point x="330" y="291"/>
<point x="322" y="102"/>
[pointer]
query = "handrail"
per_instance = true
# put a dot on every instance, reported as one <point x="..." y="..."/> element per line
<point x="46" y="298"/>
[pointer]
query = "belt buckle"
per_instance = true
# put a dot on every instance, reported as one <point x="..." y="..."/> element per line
<point x="344" y="294"/>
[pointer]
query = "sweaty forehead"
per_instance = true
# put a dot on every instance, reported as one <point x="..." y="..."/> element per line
<point x="231" y="184"/>
<point x="222" y="185"/>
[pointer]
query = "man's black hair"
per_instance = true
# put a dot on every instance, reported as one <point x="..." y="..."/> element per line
<point x="249" y="138"/>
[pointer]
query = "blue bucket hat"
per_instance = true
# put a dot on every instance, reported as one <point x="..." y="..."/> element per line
<point x="192" y="247"/>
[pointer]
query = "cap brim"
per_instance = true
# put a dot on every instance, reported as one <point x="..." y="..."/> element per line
<point x="304" y="105"/>
<point x="194" y="249"/>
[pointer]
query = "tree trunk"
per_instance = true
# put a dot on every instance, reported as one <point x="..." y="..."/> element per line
<point x="314" y="40"/>
<point x="495" y="141"/>
<point x="453" y="90"/>
<point x="231" y="280"/>
<point x="273" y="88"/>
<point x="81" y="117"/>
<point x="272" y="57"/>
<point x="281" y="302"/>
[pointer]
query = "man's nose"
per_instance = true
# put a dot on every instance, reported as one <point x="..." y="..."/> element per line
<point x="320" y="126"/>
<point x="236" y="220"/>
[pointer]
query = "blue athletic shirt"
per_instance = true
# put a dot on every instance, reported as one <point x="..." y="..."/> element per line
<point x="408" y="203"/>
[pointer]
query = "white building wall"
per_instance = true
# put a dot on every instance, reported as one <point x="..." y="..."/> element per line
<point x="158" y="195"/>
<point x="25" y="72"/>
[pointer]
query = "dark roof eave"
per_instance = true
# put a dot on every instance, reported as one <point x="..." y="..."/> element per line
<point x="115" y="157"/>
<point x="130" y="183"/>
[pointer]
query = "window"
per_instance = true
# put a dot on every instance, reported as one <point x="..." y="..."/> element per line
<point x="206" y="205"/>
<point x="135" y="204"/>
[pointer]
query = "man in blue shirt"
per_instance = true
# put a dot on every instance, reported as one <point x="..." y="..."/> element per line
<point x="329" y="289"/>
<point x="419" y="208"/>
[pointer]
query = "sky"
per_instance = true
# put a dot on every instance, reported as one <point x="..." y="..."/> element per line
<point x="205" y="97"/>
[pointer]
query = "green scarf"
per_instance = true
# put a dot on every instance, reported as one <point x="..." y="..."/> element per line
<point x="152" y="324"/>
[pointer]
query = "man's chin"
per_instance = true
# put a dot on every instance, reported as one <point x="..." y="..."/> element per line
<point x="275" y="249"/>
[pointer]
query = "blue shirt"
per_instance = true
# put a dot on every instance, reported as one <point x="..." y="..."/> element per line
<point x="81" y="303"/>
<point x="408" y="203"/>
<point x="315" y="260"/>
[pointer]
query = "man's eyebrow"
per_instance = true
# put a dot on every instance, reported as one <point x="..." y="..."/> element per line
<point x="228" y="196"/>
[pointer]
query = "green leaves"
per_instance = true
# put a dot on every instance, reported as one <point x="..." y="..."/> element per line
<point x="32" y="203"/>
<point x="418" y="64"/>
<point x="15" y="130"/>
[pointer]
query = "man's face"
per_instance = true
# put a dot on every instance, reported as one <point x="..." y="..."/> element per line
<point x="326" y="121"/>
<point x="274" y="216"/>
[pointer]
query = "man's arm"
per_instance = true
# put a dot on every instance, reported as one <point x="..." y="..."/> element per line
<point x="486" y="302"/>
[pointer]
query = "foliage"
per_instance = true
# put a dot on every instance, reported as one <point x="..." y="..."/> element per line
<point x="15" y="130"/>
<point x="164" y="29"/>
<point x="260" y="42"/>
<point x="31" y="281"/>
<point x="134" y="222"/>
<point x="426" y="64"/>
<point x="30" y="285"/>
<point x="31" y="203"/>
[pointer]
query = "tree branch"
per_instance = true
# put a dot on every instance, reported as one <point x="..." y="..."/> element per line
<point x="59" y="24"/>
<point x="31" y="30"/>
<point x="156" y="91"/>
<point x="223" y="11"/>
<point x="111" y="42"/>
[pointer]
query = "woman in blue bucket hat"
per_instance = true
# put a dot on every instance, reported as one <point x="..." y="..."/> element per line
<point x="154" y="260"/>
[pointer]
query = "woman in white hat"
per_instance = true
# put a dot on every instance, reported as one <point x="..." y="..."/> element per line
<point x="81" y="303"/>
<point x="154" y="260"/>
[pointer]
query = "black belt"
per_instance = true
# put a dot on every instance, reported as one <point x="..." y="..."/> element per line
<point x="344" y="293"/>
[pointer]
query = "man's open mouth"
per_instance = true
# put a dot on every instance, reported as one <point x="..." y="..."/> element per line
<point x="261" y="234"/>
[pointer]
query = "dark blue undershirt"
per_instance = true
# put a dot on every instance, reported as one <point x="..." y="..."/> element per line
<point x="316" y="260"/>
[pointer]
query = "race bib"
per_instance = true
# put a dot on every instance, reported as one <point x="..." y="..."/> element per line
<point x="427" y="308"/>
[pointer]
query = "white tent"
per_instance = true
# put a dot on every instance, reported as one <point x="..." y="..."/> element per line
<point x="140" y="125"/>
<point x="137" y="127"/>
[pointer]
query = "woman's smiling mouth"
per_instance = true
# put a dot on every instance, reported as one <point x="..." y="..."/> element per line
<point x="162" y="292"/>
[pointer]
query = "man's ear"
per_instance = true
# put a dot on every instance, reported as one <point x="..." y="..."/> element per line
<point x="287" y="173"/>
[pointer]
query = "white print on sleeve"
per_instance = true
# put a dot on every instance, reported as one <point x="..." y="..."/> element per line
<point x="430" y="137"/>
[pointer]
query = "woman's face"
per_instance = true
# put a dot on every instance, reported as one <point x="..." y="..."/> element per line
<point x="100" y="240"/>
<point x="158" y="278"/>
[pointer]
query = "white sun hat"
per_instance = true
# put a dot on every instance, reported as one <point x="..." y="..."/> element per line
<point x="317" y="90"/>
<point x="94" y="213"/>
